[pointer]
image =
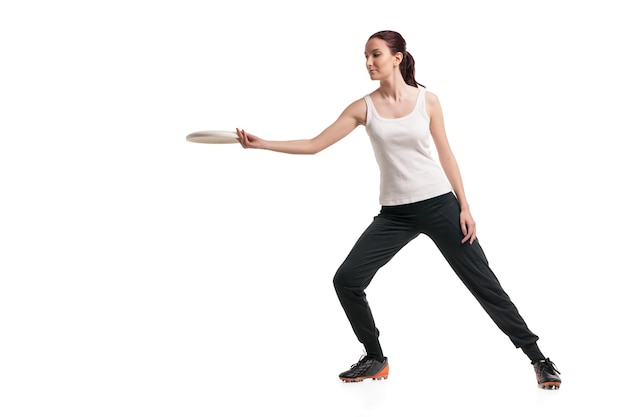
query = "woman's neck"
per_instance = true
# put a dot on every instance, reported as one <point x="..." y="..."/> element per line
<point x="394" y="90"/>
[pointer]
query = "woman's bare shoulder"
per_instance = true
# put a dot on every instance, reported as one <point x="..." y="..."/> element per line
<point x="432" y="103"/>
<point x="357" y="110"/>
<point x="431" y="97"/>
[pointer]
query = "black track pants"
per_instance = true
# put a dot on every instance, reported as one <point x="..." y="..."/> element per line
<point x="389" y="232"/>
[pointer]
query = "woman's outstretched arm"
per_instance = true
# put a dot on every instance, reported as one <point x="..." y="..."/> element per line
<point x="350" y="118"/>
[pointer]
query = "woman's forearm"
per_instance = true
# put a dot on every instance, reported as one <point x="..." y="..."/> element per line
<point x="451" y="169"/>
<point x="296" y="147"/>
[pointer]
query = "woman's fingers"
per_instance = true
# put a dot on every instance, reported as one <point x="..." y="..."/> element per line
<point x="468" y="227"/>
<point x="470" y="233"/>
<point x="243" y="139"/>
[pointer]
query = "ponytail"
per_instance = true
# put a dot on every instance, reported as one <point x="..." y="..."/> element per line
<point x="407" y="69"/>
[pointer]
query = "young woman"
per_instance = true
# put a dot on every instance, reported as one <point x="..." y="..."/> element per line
<point x="417" y="195"/>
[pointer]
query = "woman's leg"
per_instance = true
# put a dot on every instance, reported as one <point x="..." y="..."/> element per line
<point x="385" y="236"/>
<point x="470" y="264"/>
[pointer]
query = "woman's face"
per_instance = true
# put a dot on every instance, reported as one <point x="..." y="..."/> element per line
<point x="379" y="60"/>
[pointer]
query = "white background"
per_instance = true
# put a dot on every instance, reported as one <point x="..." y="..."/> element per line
<point x="143" y="275"/>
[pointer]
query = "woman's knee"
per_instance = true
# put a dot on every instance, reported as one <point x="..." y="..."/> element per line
<point x="340" y="279"/>
<point x="348" y="279"/>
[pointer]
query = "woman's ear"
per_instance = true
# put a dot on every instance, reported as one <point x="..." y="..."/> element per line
<point x="398" y="58"/>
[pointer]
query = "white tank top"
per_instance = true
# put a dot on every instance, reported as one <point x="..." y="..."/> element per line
<point x="408" y="173"/>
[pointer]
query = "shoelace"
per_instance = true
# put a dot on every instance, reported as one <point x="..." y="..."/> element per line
<point x="550" y="365"/>
<point x="361" y="364"/>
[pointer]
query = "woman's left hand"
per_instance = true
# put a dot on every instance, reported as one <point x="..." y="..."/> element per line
<point x="468" y="227"/>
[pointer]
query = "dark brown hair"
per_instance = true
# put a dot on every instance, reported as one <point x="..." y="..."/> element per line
<point x="396" y="43"/>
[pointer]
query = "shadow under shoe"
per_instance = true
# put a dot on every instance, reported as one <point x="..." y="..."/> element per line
<point x="366" y="368"/>
<point x="547" y="374"/>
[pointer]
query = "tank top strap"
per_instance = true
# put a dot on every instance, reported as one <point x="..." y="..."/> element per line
<point x="370" y="107"/>
<point x="368" y="101"/>
<point x="421" y="102"/>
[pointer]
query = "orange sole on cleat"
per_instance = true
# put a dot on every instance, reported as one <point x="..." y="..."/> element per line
<point x="550" y="385"/>
<point x="379" y="376"/>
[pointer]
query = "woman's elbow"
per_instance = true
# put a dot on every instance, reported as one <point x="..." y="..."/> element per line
<point x="314" y="147"/>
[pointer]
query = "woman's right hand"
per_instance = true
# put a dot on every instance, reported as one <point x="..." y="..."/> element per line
<point x="249" y="141"/>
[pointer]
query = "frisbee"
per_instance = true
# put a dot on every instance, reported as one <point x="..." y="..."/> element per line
<point x="213" y="136"/>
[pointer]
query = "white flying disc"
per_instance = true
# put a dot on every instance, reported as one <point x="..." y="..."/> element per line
<point x="213" y="136"/>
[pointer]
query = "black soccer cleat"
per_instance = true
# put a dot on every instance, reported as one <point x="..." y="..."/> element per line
<point x="547" y="374"/>
<point x="366" y="368"/>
